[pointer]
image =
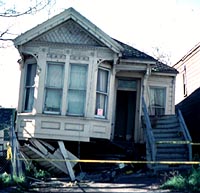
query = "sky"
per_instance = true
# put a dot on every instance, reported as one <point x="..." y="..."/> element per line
<point x="170" y="25"/>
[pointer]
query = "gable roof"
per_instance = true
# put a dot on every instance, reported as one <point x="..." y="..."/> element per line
<point x="189" y="54"/>
<point x="125" y="51"/>
<point x="70" y="13"/>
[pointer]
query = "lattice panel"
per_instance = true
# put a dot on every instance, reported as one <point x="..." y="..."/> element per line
<point x="69" y="32"/>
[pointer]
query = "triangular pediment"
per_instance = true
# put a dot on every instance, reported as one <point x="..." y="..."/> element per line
<point x="69" y="32"/>
<point x="69" y="27"/>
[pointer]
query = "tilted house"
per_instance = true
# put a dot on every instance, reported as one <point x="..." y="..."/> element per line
<point x="187" y="80"/>
<point x="78" y="83"/>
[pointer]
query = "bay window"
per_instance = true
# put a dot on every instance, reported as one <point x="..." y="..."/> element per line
<point x="30" y="87"/>
<point x="54" y="87"/>
<point x="102" y="92"/>
<point x="77" y="85"/>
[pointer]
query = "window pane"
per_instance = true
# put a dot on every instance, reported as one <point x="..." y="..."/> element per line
<point x="77" y="89"/>
<point x="53" y="100"/>
<point x="127" y="84"/>
<point x="29" y="99"/>
<point x="30" y="85"/>
<point x="100" y="104"/>
<point x="157" y="101"/>
<point x="102" y="92"/>
<point x="102" y="80"/>
<point x="54" y="84"/>
<point x="55" y="75"/>
<point x="76" y="102"/>
<point x="78" y="77"/>
<point x="31" y="72"/>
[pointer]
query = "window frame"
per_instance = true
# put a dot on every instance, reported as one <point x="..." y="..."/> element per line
<point x="68" y="113"/>
<point x="184" y="82"/>
<point x="157" y="107"/>
<point x="106" y="95"/>
<point x="30" y="62"/>
<point x="50" y="88"/>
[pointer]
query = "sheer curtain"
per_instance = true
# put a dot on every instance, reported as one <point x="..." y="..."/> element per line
<point x="102" y="92"/>
<point x="77" y="89"/>
<point x="54" y="84"/>
<point x="157" y="101"/>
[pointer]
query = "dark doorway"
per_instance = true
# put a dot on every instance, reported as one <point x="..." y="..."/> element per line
<point x="125" y="116"/>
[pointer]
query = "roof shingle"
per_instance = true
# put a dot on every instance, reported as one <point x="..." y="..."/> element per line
<point x="132" y="53"/>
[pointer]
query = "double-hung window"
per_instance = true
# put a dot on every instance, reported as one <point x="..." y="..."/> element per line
<point x="54" y="87"/>
<point x="77" y="89"/>
<point x="102" y="92"/>
<point x="30" y="87"/>
<point x="157" y="100"/>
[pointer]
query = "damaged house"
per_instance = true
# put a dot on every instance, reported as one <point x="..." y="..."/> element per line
<point x="80" y="85"/>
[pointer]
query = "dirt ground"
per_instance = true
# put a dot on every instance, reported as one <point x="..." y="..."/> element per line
<point x="122" y="183"/>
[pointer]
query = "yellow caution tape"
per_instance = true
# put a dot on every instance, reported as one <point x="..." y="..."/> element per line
<point x="119" y="161"/>
<point x="176" y="142"/>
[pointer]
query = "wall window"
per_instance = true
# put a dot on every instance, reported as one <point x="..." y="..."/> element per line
<point x="102" y="92"/>
<point x="54" y="87"/>
<point x="157" y="100"/>
<point x="77" y="89"/>
<point x="184" y="82"/>
<point x="30" y="87"/>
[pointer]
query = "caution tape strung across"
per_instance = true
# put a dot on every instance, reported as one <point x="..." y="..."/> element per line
<point x="176" y="142"/>
<point x="120" y="161"/>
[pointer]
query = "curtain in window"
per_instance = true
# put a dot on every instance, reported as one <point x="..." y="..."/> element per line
<point x="77" y="89"/>
<point x="53" y="100"/>
<point x="102" y="81"/>
<point x="102" y="92"/>
<point x="30" y="86"/>
<point x="54" y="75"/>
<point x="157" y="101"/>
<point x="54" y="84"/>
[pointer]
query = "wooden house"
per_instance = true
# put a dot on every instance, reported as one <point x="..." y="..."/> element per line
<point x="187" y="80"/>
<point x="188" y="91"/>
<point x="79" y="84"/>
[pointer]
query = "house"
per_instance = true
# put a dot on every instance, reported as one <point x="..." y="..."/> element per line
<point x="187" y="80"/>
<point x="78" y="84"/>
<point x="7" y="121"/>
<point x="188" y="91"/>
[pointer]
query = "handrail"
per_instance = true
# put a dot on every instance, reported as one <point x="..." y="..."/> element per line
<point x="185" y="132"/>
<point x="183" y="126"/>
<point x="150" y="136"/>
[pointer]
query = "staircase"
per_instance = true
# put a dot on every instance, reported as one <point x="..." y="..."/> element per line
<point x="167" y="140"/>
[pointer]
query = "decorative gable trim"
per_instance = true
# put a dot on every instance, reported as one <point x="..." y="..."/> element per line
<point x="61" y="18"/>
<point x="69" y="32"/>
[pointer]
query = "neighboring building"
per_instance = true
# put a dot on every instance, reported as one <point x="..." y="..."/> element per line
<point x="7" y="123"/>
<point x="188" y="92"/>
<point x="188" y="80"/>
<point x="78" y="83"/>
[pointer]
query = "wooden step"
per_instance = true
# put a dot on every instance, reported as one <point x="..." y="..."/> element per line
<point x="172" y="157"/>
<point x="171" y="150"/>
<point x="167" y="125"/>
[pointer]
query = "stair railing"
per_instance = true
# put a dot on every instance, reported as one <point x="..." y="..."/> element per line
<point x="186" y="133"/>
<point x="150" y="136"/>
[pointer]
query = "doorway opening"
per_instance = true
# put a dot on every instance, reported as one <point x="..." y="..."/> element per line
<point x="125" y="116"/>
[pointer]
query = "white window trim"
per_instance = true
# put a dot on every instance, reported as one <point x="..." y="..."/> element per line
<point x="107" y="94"/>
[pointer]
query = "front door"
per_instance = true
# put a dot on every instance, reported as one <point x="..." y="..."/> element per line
<point x="125" y="113"/>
